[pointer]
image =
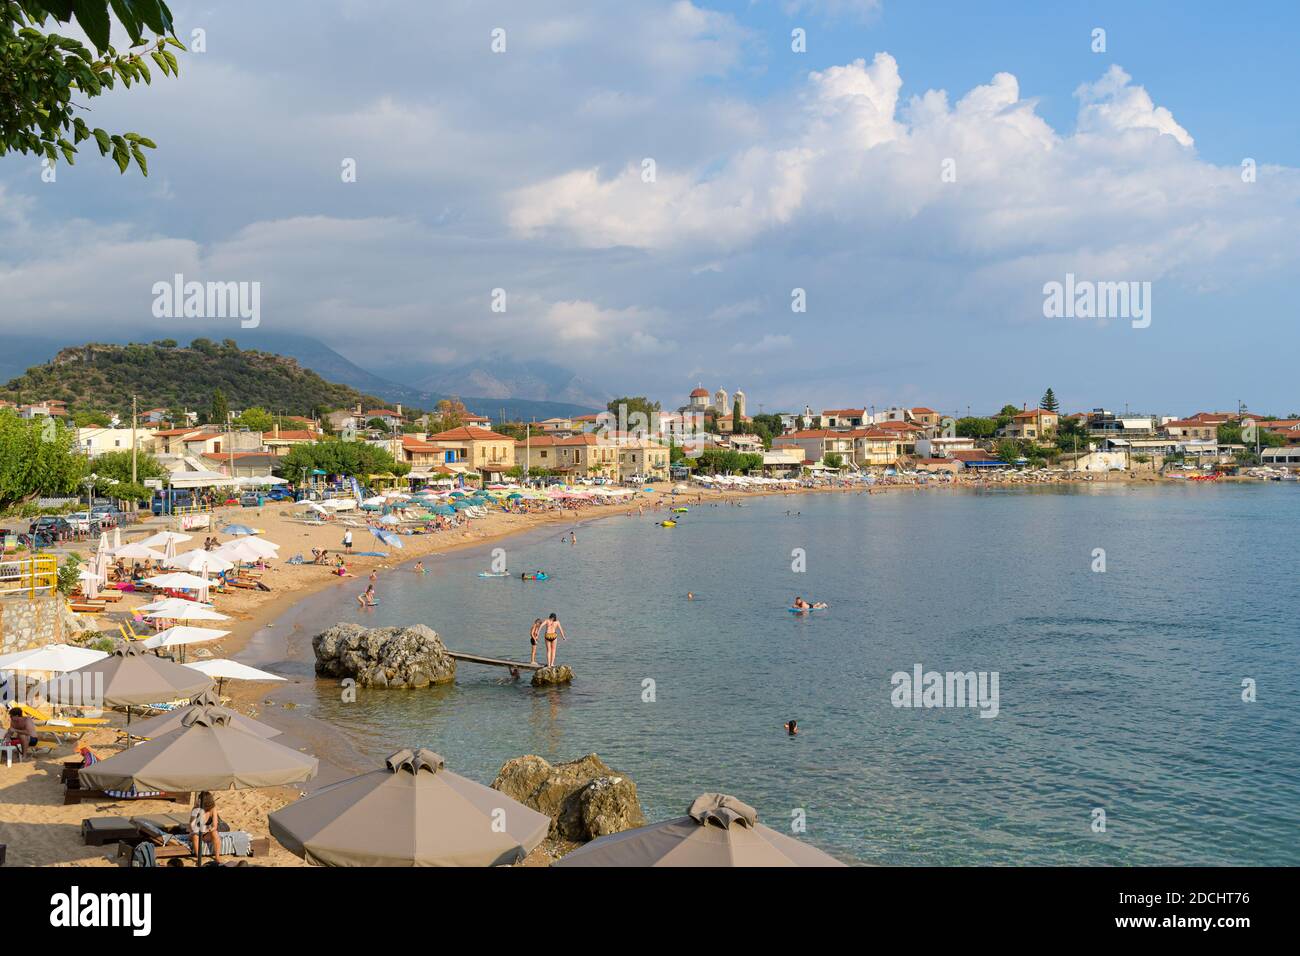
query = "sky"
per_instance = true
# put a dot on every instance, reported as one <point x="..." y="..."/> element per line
<point x="652" y="183"/>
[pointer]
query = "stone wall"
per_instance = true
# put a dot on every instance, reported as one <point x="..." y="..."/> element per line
<point x="27" y="622"/>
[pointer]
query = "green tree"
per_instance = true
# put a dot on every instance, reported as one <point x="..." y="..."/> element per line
<point x="1009" y="450"/>
<point x="631" y="406"/>
<point x="1049" y="402"/>
<point x="87" y="419"/>
<point x="43" y="74"/>
<point x="219" y="410"/>
<point x="117" y="465"/>
<point x="737" y="420"/>
<point x="975" y="427"/>
<point x="833" y="460"/>
<point x="256" y="419"/>
<point x="38" y="457"/>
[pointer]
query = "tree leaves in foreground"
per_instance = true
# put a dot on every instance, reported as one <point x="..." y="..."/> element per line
<point x="42" y="72"/>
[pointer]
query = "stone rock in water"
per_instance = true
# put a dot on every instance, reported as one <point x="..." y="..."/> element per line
<point x="560" y="674"/>
<point x="584" y="798"/>
<point x="394" y="657"/>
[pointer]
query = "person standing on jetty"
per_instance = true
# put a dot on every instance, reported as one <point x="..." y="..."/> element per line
<point x="532" y="638"/>
<point x="553" y="629"/>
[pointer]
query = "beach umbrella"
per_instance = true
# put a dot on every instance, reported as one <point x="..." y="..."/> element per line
<point x="138" y="552"/>
<point x="52" y="658"/>
<point x="410" y="812"/>
<point x="388" y="538"/>
<point x="237" y="549"/>
<point x="197" y="561"/>
<point x="238" y="529"/>
<point x="182" y="634"/>
<point x="174" y="720"/>
<point x="224" y="670"/>
<point x="207" y="752"/>
<point x="390" y="519"/>
<point x="718" y="830"/>
<point x="130" y="676"/>
<point x="179" y="580"/>
<point x="179" y="609"/>
<point x="117" y="538"/>
<point x="164" y="538"/>
<point x="443" y="510"/>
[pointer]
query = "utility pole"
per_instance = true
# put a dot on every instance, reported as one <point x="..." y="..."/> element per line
<point x="133" y="473"/>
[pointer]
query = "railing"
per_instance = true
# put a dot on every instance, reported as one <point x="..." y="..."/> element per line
<point x="39" y="573"/>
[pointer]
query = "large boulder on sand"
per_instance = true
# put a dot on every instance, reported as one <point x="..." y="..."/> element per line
<point x="394" y="657"/>
<point x="584" y="798"/>
<point x="546" y="676"/>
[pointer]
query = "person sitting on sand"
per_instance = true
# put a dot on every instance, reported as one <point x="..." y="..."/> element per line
<point x="21" y="732"/>
<point x="342" y="571"/>
<point x="532" y="639"/>
<point x="205" y="827"/>
<point x="792" y="728"/>
<point x="367" y="599"/>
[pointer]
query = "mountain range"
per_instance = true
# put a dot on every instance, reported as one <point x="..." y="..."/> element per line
<point x="494" y="386"/>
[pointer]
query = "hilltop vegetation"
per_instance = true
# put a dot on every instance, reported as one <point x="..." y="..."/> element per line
<point x="165" y="375"/>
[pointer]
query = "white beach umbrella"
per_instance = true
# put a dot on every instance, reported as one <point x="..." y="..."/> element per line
<point x="164" y="538"/>
<point x="138" y="552"/>
<point x="222" y="670"/>
<point x="177" y="609"/>
<point x="54" y="658"/>
<point x="103" y="543"/>
<point x="197" y="560"/>
<point x="247" y="549"/>
<point x="182" y="634"/>
<point x="180" y="580"/>
<point x="117" y="538"/>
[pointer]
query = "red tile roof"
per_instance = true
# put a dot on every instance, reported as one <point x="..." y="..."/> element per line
<point x="469" y="433"/>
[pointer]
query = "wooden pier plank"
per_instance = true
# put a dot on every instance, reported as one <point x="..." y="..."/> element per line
<point x="494" y="661"/>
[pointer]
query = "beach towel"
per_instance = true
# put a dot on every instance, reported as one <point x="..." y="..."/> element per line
<point x="132" y="794"/>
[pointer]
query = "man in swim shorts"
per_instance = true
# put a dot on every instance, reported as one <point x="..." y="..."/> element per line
<point x="532" y="639"/>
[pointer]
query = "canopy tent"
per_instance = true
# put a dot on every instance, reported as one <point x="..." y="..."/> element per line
<point x="718" y="830"/>
<point x="199" y="479"/>
<point x="410" y="812"/>
<point x="207" y="752"/>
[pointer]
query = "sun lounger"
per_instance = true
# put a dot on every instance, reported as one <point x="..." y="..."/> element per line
<point x="73" y="792"/>
<point x="154" y="843"/>
<point x="40" y="715"/>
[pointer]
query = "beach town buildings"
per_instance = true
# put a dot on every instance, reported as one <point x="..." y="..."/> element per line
<point x="487" y="452"/>
<point x="1032" y="424"/>
<point x="93" y="441"/>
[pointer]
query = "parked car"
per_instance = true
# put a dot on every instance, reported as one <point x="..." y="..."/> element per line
<point x="250" y="500"/>
<point x="279" y="494"/>
<point x="82" y="521"/>
<point x="108" y="516"/>
<point x="50" y="526"/>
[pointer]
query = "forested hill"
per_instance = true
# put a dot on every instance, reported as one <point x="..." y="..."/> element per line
<point x="165" y="375"/>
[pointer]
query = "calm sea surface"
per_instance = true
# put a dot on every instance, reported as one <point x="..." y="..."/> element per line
<point x="1119" y="690"/>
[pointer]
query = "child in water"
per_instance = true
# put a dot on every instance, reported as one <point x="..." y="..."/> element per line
<point x="419" y="567"/>
<point x="792" y="728"/>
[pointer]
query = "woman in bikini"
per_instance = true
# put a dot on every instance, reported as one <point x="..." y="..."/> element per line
<point x="553" y="629"/>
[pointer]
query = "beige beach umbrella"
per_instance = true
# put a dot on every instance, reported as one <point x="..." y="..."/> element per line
<point x="205" y="753"/>
<point x="718" y="830"/>
<point x="410" y="812"/>
<point x="129" y="676"/>
<point x="174" y="720"/>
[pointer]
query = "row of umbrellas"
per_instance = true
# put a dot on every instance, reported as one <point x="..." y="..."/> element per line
<point x="410" y="812"/>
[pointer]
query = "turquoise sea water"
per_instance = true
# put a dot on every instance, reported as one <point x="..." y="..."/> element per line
<point x="1119" y="690"/>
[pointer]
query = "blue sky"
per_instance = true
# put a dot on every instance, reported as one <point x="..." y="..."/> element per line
<point x="774" y="171"/>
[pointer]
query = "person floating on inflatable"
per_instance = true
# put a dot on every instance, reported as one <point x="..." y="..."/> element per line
<point x="801" y="605"/>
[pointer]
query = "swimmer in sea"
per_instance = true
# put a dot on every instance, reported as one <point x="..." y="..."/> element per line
<point x="802" y="605"/>
<point x="419" y="567"/>
<point x="792" y="728"/>
<point x="690" y="595"/>
<point x="367" y="599"/>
